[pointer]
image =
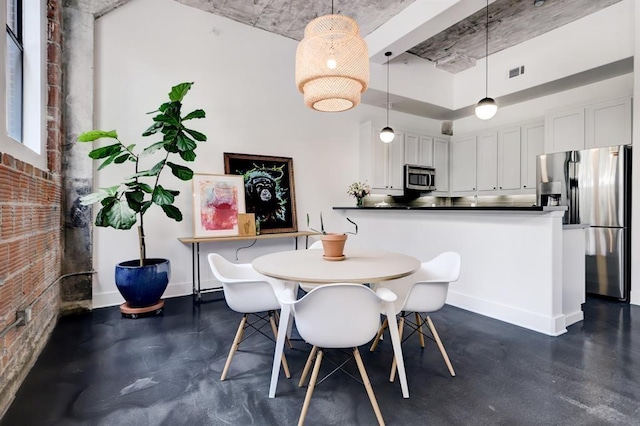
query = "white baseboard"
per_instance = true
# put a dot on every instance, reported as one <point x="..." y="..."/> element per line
<point x="635" y="297"/>
<point x="573" y="318"/>
<point x="114" y="298"/>
<point x="552" y="326"/>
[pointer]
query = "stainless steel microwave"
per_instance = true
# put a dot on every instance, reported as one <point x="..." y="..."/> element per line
<point x="419" y="178"/>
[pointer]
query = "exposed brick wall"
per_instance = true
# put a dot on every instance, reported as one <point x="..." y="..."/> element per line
<point x="31" y="235"/>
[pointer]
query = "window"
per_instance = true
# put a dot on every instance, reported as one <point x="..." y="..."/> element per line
<point x="14" y="74"/>
<point x="23" y="59"/>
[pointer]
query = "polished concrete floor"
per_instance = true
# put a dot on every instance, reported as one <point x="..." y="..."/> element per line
<point x="101" y="369"/>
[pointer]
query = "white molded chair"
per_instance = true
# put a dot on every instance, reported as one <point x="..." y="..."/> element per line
<point x="248" y="292"/>
<point x="337" y="316"/>
<point x="426" y="292"/>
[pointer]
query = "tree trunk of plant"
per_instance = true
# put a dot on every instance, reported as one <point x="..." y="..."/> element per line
<point x="143" y="248"/>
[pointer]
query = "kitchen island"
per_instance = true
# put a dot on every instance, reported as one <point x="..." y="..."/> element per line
<point x="512" y="257"/>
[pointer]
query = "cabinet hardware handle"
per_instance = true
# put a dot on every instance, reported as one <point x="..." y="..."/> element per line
<point x="500" y="187"/>
<point x="495" y="187"/>
<point x="525" y="186"/>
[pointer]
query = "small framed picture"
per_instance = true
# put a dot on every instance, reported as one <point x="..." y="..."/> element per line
<point x="269" y="189"/>
<point x="217" y="201"/>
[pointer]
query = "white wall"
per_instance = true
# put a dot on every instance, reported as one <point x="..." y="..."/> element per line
<point x="244" y="80"/>
<point x="537" y="108"/>
<point x="635" y="212"/>
<point x="595" y="40"/>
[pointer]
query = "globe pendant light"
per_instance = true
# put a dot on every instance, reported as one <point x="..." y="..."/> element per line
<point x="332" y="64"/>
<point x="386" y="134"/>
<point x="486" y="108"/>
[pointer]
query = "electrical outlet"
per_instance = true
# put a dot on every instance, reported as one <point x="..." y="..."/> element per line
<point x="25" y="315"/>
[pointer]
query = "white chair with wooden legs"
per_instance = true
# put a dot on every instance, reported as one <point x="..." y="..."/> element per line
<point x="250" y="293"/>
<point x="426" y="292"/>
<point x="337" y="316"/>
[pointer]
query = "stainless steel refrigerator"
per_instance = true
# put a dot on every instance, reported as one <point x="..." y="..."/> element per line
<point x="595" y="185"/>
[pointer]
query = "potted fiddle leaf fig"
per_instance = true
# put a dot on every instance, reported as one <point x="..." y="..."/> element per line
<point x="333" y="243"/>
<point x="143" y="281"/>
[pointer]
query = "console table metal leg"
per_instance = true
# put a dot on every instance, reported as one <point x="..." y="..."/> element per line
<point x="198" y="270"/>
<point x="193" y="270"/>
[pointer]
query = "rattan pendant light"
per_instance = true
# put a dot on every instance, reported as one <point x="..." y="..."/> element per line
<point x="332" y="64"/>
<point x="486" y="107"/>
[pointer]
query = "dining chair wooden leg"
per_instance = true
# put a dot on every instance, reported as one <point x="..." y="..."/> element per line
<point x="307" y="366"/>
<point x="285" y="365"/>
<point x="286" y="339"/>
<point x="367" y="385"/>
<point x="440" y="346"/>
<point x="394" y="363"/>
<point x="419" y="324"/>
<point x="384" y="325"/>
<point x="234" y="346"/>
<point x="312" y="385"/>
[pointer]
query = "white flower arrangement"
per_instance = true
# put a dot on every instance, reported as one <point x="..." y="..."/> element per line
<point x="359" y="189"/>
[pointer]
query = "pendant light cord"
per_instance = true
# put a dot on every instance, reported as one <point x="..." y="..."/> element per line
<point x="486" y="56"/>
<point x="388" y="55"/>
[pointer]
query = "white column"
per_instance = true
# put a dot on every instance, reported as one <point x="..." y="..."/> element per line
<point x="635" y="179"/>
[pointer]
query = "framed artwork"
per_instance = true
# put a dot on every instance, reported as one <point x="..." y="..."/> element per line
<point x="217" y="201"/>
<point x="269" y="190"/>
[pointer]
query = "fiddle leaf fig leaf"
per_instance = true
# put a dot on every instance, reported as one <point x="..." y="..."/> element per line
<point x="99" y="195"/>
<point x="152" y="129"/>
<point x="117" y="215"/>
<point x="179" y="91"/>
<point x="181" y="172"/>
<point x="188" y="155"/>
<point x="105" y="151"/>
<point x="185" y="143"/>
<point x="172" y="212"/>
<point x="92" y="135"/>
<point x="152" y="148"/>
<point x="194" y="114"/>
<point x="200" y="137"/>
<point x="162" y="197"/>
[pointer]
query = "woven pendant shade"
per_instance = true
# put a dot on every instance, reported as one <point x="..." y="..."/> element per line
<point x="332" y="64"/>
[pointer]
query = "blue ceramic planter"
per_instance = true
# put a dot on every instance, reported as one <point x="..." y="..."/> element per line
<point x="143" y="286"/>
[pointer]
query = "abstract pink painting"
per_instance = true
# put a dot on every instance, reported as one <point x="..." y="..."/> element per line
<point x="217" y="201"/>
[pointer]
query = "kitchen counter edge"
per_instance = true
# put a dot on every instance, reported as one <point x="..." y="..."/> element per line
<point x="464" y="208"/>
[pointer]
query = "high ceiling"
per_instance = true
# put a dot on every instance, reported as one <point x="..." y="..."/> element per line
<point x="454" y="49"/>
<point x="449" y="33"/>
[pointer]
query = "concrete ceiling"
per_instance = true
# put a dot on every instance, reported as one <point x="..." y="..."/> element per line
<point x="449" y="33"/>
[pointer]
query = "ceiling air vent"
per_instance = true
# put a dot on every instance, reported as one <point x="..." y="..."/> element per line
<point x="516" y="71"/>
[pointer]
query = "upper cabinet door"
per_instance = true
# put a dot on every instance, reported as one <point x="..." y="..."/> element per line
<point x="487" y="162"/>
<point x="532" y="146"/>
<point x="441" y="164"/>
<point x="464" y="164"/>
<point x="509" y="158"/>
<point x="608" y="123"/>
<point x="379" y="163"/>
<point x="425" y="151"/>
<point x="411" y="142"/>
<point x="565" y="130"/>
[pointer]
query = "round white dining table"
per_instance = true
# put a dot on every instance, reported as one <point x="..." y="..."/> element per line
<point x="359" y="266"/>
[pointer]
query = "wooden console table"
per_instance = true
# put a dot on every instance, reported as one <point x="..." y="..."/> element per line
<point x="195" y="253"/>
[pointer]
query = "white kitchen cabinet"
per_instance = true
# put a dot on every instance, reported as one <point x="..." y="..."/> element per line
<point x="532" y="145"/>
<point x="441" y="164"/>
<point x="596" y="125"/>
<point x="509" y="158"/>
<point x="608" y="123"/>
<point x="487" y="159"/>
<point x="463" y="172"/>
<point x="381" y="164"/>
<point x="418" y="149"/>
<point x="565" y="130"/>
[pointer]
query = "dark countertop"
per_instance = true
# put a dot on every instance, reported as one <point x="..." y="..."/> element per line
<point x="462" y="208"/>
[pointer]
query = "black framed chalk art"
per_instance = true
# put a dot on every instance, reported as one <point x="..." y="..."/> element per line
<point x="269" y="189"/>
